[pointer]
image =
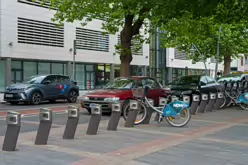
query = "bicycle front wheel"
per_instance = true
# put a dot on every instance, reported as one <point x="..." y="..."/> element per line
<point x="181" y="120"/>
<point x="142" y="113"/>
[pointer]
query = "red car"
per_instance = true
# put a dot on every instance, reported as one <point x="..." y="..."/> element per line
<point x="120" y="89"/>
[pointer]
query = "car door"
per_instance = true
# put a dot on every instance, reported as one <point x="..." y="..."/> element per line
<point x="52" y="88"/>
<point x="212" y="84"/>
<point x="62" y="84"/>
<point x="203" y="85"/>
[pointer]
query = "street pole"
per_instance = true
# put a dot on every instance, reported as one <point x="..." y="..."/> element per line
<point x="202" y="58"/>
<point x="218" y="54"/>
<point x="74" y="56"/>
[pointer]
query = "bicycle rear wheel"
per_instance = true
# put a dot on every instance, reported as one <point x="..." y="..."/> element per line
<point x="142" y="113"/>
<point x="172" y="120"/>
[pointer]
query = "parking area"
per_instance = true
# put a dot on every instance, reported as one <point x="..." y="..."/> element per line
<point x="213" y="138"/>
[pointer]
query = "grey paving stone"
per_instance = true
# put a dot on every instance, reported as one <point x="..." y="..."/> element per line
<point x="237" y="132"/>
<point x="105" y="141"/>
<point x="61" y="119"/>
<point x="164" y="127"/>
<point x="199" y="153"/>
<point x="36" y="156"/>
<point x="24" y="128"/>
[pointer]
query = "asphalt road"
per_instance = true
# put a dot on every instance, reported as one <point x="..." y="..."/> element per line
<point x="60" y="103"/>
<point x="31" y="122"/>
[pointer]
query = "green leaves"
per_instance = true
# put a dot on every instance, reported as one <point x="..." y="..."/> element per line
<point x="204" y="31"/>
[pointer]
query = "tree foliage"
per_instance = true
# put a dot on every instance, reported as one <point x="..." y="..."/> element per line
<point x="204" y="32"/>
<point x="129" y="17"/>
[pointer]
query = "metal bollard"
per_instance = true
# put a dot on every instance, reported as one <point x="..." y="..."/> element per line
<point x="162" y="102"/>
<point x="186" y="99"/>
<point x="219" y="101"/>
<point x="194" y="104"/>
<point x="96" y="115"/>
<point x="115" y="117"/>
<point x="132" y="114"/>
<point x="204" y="101"/>
<point x="13" y="121"/>
<point x="211" y="102"/>
<point x="44" y="126"/>
<point x="149" y="112"/>
<point x="72" y="122"/>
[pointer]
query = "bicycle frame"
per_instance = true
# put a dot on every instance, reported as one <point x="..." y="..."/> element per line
<point x="171" y="109"/>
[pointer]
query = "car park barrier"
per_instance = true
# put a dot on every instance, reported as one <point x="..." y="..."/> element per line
<point x="132" y="114"/>
<point x="162" y="102"/>
<point x="194" y="104"/>
<point x="219" y="101"/>
<point x="149" y="112"/>
<point x="211" y="102"/>
<point x="204" y="101"/>
<point x="96" y="115"/>
<point x="13" y="121"/>
<point x="72" y="122"/>
<point x="46" y="119"/>
<point x="115" y="117"/>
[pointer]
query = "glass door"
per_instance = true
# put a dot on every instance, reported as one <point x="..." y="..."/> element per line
<point x="90" y="80"/>
<point x="16" y="76"/>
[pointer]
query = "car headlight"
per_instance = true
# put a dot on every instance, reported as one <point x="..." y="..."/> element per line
<point x="86" y="98"/>
<point x="112" y="99"/>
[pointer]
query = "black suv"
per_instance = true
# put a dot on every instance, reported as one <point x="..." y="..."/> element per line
<point x="42" y="87"/>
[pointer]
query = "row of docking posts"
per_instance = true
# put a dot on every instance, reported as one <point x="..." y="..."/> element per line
<point x="13" y="120"/>
<point x="200" y="104"/>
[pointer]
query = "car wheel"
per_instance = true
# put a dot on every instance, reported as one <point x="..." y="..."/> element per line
<point x="14" y="102"/>
<point x="72" y="96"/>
<point x="36" y="98"/>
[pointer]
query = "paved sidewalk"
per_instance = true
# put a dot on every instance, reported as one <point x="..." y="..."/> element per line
<point x="213" y="138"/>
<point x="81" y="93"/>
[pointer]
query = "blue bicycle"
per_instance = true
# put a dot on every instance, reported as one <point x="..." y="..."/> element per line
<point x="176" y="113"/>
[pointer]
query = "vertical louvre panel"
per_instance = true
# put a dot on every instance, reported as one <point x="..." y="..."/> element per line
<point x="39" y="3"/>
<point x="135" y="42"/>
<point x="40" y="33"/>
<point x="180" y="55"/>
<point x="92" y="40"/>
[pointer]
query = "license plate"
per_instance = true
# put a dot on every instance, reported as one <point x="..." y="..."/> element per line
<point x="9" y="95"/>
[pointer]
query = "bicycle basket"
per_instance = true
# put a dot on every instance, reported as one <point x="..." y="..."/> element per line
<point x="138" y="92"/>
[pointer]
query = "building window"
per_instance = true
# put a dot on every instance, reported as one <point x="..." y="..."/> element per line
<point x="40" y="33"/>
<point x="134" y="50"/>
<point x="29" y="69"/>
<point x="57" y="68"/>
<point x="80" y="76"/>
<point x="92" y="40"/>
<point x="246" y="60"/>
<point x="2" y="75"/>
<point x="44" y="68"/>
<point x="39" y="3"/>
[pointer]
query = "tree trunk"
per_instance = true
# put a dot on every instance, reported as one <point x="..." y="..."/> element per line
<point x="126" y="54"/>
<point x="227" y="64"/>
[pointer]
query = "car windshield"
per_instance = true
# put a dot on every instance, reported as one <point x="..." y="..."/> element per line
<point x="186" y="80"/>
<point x="34" y="79"/>
<point x="120" y="83"/>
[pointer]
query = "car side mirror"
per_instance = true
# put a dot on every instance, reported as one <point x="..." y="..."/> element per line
<point x="46" y="82"/>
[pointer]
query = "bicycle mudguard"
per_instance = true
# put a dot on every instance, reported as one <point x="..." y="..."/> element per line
<point x="175" y="107"/>
<point x="243" y="98"/>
